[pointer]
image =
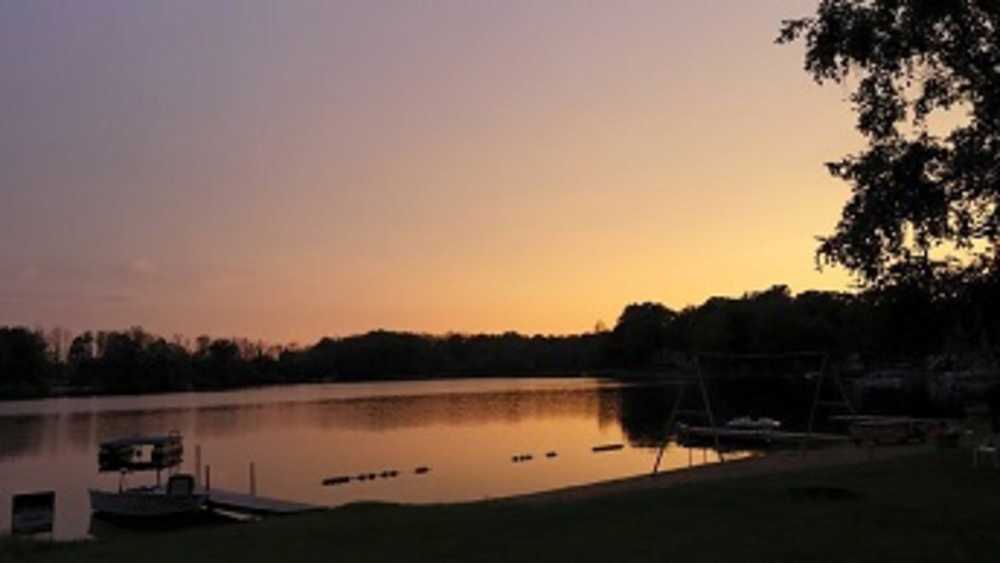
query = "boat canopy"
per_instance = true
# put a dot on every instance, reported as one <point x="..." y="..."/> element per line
<point x="141" y="441"/>
<point x="140" y="453"/>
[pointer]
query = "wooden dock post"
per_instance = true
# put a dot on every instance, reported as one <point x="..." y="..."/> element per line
<point x="253" y="480"/>
<point x="197" y="465"/>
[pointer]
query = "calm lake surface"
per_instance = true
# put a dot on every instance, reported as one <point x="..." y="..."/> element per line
<point x="465" y="431"/>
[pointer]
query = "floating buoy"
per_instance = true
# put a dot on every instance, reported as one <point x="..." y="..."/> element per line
<point x="362" y="477"/>
<point x="372" y="476"/>
<point x="608" y="447"/>
<point x="421" y="470"/>
<point x="336" y="480"/>
<point x="551" y="454"/>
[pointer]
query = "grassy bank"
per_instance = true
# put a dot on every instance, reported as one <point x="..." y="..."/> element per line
<point x="927" y="508"/>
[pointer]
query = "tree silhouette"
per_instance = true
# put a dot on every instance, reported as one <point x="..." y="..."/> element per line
<point x="24" y="362"/>
<point x="923" y="201"/>
<point x="641" y="331"/>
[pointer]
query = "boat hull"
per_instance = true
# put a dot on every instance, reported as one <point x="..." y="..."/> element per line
<point x="144" y="504"/>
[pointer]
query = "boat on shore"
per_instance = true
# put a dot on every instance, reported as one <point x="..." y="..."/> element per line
<point x="179" y="498"/>
<point x="748" y="423"/>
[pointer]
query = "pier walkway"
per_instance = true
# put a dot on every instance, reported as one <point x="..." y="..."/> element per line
<point x="764" y="436"/>
<point x="253" y="504"/>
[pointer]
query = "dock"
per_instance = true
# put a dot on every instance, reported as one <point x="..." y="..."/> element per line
<point x="759" y="436"/>
<point x="253" y="504"/>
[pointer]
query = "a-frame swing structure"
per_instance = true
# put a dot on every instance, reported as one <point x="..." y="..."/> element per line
<point x="681" y="409"/>
<point x="827" y="381"/>
<point x="824" y="379"/>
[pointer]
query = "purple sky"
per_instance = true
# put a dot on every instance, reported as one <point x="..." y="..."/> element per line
<point x="288" y="170"/>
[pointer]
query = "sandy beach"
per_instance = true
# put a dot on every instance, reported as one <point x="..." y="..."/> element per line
<point x="770" y="463"/>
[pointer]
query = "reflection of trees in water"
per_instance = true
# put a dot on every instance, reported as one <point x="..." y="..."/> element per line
<point x="31" y="434"/>
<point x="643" y="413"/>
<point x="80" y="428"/>
<point x="390" y="413"/>
<point x="22" y="435"/>
<point x="116" y="424"/>
<point x="641" y="410"/>
<point x="645" y="410"/>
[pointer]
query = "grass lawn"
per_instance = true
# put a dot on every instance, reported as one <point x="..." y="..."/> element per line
<point x="932" y="507"/>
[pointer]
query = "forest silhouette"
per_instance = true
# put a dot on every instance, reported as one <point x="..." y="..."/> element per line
<point x="902" y="323"/>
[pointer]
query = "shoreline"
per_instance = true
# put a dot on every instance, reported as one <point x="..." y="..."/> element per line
<point x="776" y="510"/>
<point x="770" y="463"/>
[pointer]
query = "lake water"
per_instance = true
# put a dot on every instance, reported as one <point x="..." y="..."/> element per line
<point x="465" y="431"/>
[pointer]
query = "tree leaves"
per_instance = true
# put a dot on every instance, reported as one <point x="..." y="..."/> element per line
<point x="912" y="192"/>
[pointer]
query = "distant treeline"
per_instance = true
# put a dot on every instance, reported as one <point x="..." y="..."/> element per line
<point x="893" y="324"/>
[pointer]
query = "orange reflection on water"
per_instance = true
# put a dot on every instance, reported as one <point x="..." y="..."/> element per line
<point x="467" y="433"/>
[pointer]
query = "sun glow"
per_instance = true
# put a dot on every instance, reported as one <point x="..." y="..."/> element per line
<point x="328" y="168"/>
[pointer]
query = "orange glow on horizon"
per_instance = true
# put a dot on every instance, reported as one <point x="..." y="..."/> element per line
<point x="330" y="169"/>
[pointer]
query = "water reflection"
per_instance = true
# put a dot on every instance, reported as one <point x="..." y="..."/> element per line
<point x="297" y="437"/>
<point x="640" y="409"/>
<point x="643" y="412"/>
<point x="22" y="435"/>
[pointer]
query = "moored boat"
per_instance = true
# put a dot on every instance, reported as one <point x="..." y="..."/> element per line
<point x="747" y="423"/>
<point x="146" y="453"/>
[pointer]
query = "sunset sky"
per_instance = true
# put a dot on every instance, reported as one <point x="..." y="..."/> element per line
<point x="286" y="170"/>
